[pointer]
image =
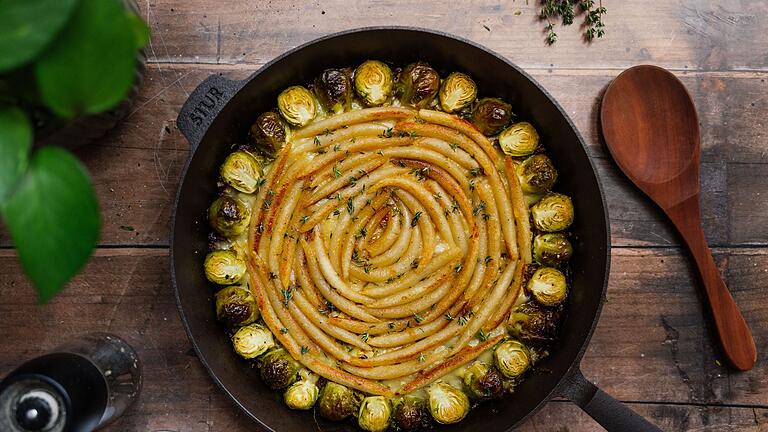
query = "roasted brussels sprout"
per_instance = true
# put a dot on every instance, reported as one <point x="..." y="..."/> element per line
<point x="548" y="286"/>
<point x="553" y="213"/>
<point x="235" y="306"/>
<point x="374" y="82"/>
<point x="418" y="85"/>
<point x="241" y="171"/>
<point x="512" y="359"/>
<point x="551" y="249"/>
<point x="334" y="90"/>
<point x="224" y="267"/>
<point x="410" y="413"/>
<point x="278" y="369"/>
<point x="297" y="105"/>
<point x="252" y="341"/>
<point x="374" y="414"/>
<point x="533" y="324"/>
<point x="447" y="404"/>
<point x="537" y="174"/>
<point x="270" y="132"/>
<point x="483" y="382"/>
<point x="491" y="116"/>
<point x="337" y="402"/>
<point x="301" y="395"/>
<point x="519" y="140"/>
<point x="218" y="242"/>
<point x="457" y="92"/>
<point x="229" y="216"/>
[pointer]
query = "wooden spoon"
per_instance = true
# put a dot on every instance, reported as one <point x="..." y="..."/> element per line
<point x="652" y="130"/>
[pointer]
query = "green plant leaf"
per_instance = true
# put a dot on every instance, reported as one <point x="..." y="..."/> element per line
<point x="53" y="218"/>
<point x="15" y="142"/>
<point x="91" y="65"/>
<point x="140" y="30"/>
<point x="28" y="26"/>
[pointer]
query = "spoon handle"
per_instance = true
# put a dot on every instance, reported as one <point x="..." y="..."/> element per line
<point x="734" y="333"/>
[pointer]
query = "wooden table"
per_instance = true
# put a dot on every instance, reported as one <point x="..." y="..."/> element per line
<point x="652" y="349"/>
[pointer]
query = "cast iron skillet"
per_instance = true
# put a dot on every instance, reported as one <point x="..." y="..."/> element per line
<point x="218" y="113"/>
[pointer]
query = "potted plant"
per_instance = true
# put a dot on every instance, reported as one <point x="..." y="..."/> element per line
<point x="65" y="68"/>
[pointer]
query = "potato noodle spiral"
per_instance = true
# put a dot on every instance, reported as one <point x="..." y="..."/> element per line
<point x="387" y="245"/>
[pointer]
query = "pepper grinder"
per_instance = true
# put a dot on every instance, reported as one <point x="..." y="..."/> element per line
<point x="80" y="386"/>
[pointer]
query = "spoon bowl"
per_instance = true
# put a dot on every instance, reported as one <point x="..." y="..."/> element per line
<point x="650" y="108"/>
<point x="650" y="126"/>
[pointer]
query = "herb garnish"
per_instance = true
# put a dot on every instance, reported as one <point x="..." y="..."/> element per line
<point x="415" y="220"/>
<point x="350" y="206"/>
<point x="593" y="17"/>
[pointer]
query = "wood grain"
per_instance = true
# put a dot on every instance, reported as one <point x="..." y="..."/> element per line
<point x="679" y="34"/>
<point x="667" y="417"/>
<point x="652" y="347"/>
<point x="671" y="360"/>
<point x="136" y="168"/>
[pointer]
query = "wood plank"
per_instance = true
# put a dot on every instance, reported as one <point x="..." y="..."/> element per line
<point x="652" y="343"/>
<point x="747" y="203"/>
<point x="136" y="168"/>
<point x="653" y="334"/>
<point x="708" y="35"/>
<point x="564" y="416"/>
<point x="731" y="108"/>
<point x="216" y="413"/>
<point x="644" y="349"/>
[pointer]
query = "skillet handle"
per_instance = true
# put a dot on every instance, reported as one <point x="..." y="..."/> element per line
<point x="613" y="415"/>
<point x="203" y="105"/>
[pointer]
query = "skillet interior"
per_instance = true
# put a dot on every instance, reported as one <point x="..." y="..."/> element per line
<point x="495" y="77"/>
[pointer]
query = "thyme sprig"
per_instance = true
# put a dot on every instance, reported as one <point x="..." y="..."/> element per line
<point x="551" y="10"/>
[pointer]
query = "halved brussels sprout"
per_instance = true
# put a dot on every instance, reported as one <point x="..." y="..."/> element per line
<point x="229" y="216"/>
<point x="334" y="90"/>
<point x="553" y="213"/>
<point x="252" y="341"/>
<point x="235" y="306"/>
<point x="270" y="132"/>
<point x="301" y="395"/>
<point x="457" y="92"/>
<point x="337" y="402"/>
<point x="297" y="105"/>
<point x="241" y="171"/>
<point x="519" y="140"/>
<point x="373" y="82"/>
<point x="537" y="174"/>
<point x="411" y="413"/>
<point x="374" y="415"/>
<point x="512" y="358"/>
<point x="548" y="286"/>
<point x="447" y="404"/>
<point x="418" y="85"/>
<point x="491" y="116"/>
<point x="533" y="324"/>
<point x="551" y="249"/>
<point x="224" y="267"/>
<point x="278" y="369"/>
<point x="483" y="382"/>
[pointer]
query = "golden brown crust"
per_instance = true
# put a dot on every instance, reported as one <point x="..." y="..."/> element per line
<point x="459" y="359"/>
<point x="520" y="209"/>
<point x="384" y="241"/>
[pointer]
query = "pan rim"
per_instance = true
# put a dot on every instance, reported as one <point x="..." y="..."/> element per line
<point x="239" y="85"/>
